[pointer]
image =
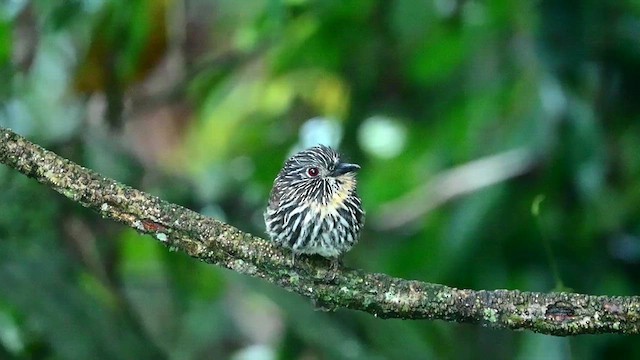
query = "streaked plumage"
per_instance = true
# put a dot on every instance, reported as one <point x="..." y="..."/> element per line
<point x="314" y="207"/>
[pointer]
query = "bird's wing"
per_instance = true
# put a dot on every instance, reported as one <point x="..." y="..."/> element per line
<point x="276" y="194"/>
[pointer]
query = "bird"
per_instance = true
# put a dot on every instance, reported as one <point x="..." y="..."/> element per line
<point x="314" y="207"/>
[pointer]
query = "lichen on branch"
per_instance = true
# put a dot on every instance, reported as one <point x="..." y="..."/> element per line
<point x="217" y="243"/>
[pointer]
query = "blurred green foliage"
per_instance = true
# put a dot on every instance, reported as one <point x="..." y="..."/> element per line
<point x="200" y="102"/>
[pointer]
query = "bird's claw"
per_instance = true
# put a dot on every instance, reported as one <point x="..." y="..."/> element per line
<point x="331" y="274"/>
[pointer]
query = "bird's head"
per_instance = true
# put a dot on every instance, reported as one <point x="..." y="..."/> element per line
<point x="318" y="173"/>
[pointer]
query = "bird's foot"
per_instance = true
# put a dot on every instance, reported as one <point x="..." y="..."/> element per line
<point x="293" y="259"/>
<point x="332" y="273"/>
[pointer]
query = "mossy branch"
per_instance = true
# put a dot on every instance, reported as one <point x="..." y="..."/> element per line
<point x="383" y="296"/>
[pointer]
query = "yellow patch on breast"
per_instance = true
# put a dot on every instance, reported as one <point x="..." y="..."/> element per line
<point x="338" y="197"/>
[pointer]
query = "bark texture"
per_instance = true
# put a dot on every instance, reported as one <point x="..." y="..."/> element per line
<point x="382" y="296"/>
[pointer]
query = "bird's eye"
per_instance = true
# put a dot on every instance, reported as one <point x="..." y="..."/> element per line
<point x="313" y="171"/>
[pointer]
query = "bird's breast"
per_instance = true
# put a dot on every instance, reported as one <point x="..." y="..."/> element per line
<point x="337" y="196"/>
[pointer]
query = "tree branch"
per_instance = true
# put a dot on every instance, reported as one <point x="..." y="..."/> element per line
<point x="383" y="296"/>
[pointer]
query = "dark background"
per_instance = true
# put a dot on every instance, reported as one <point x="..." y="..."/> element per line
<point x="499" y="144"/>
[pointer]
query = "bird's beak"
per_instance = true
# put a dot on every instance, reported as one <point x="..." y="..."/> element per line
<point x="344" y="168"/>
